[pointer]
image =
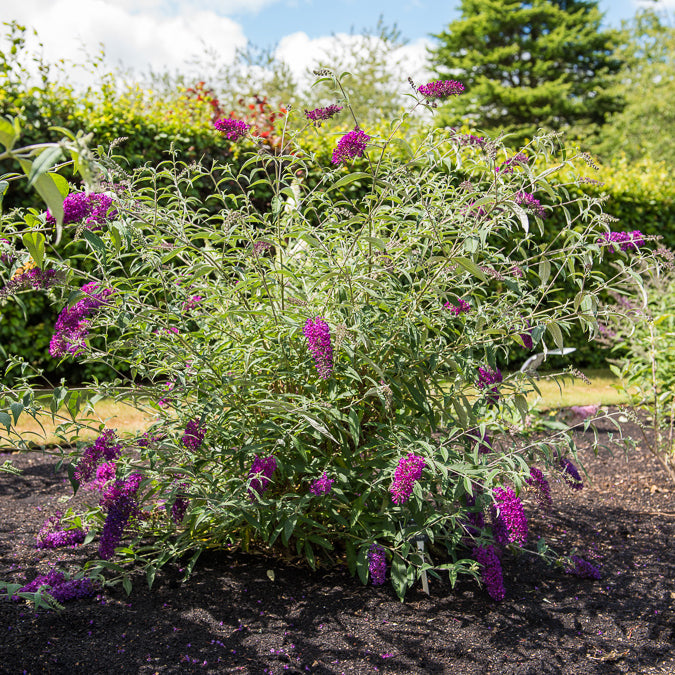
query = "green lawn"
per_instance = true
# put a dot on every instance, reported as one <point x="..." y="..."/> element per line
<point x="131" y="422"/>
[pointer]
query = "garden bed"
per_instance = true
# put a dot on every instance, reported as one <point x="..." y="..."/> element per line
<point x="248" y="614"/>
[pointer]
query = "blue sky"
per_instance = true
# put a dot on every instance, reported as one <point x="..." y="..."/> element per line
<point x="414" y="18"/>
<point x="167" y="34"/>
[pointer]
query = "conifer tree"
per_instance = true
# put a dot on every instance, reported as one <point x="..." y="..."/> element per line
<point x="528" y="65"/>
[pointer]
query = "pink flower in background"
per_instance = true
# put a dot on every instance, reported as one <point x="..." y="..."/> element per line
<point x="232" y="128"/>
<point x="441" y="89"/>
<point x="585" y="411"/>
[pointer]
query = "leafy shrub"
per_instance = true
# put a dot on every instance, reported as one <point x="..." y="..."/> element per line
<point x="645" y="332"/>
<point x="323" y="365"/>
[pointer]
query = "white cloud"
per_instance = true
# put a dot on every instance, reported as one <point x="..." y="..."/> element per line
<point x="659" y="4"/>
<point x="302" y="53"/>
<point x="138" y="39"/>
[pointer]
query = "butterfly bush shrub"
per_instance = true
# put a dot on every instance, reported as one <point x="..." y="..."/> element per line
<point x="323" y="370"/>
<point x="642" y="328"/>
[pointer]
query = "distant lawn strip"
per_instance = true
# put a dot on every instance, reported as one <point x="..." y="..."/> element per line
<point x="128" y="421"/>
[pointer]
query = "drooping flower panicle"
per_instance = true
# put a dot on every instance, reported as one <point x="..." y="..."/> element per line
<point x="571" y="474"/>
<point x="260" y="474"/>
<point x="106" y="446"/>
<point x="461" y="307"/>
<point x="491" y="572"/>
<point x="319" y="344"/>
<point x="119" y="501"/>
<point x="509" y="524"/>
<point x="92" y="209"/>
<point x="322" y="486"/>
<point x="627" y="241"/>
<point x="71" y="326"/>
<point x="194" y="435"/>
<point x="318" y="115"/>
<point x="377" y="564"/>
<point x="441" y="89"/>
<point x="233" y="129"/>
<point x="352" y="144"/>
<point x="34" y="279"/>
<point x="582" y="568"/>
<point x="537" y="481"/>
<point x="530" y="202"/>
<point x="486" y="377"/>
<point x="52" y="534"/>
<point x="407" y="473"/>
<point x="60" y="588"/>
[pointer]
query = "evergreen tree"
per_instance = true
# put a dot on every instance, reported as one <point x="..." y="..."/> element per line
<point x="529" y="65"/>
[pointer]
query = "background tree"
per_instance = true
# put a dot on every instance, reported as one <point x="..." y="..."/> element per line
<point x="525" y="65"/>
<point x="646" y="126"/>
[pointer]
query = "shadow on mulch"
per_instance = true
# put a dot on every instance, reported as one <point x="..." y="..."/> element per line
<point x="231" y="617"/>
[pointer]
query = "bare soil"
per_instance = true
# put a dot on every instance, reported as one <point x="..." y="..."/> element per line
<point x="231" y="617"/>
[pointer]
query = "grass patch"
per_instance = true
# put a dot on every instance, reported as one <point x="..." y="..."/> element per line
<point x="570" y="391"/>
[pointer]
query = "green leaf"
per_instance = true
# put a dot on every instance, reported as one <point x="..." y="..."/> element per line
<point x="544" y="271"/>
<point x="61" y="184"/>
<point x="6" y="420"/>
<point x="556" y="333"/>
<point x="95" y="241"/>
<point x="150" y="576"/>
<point x="289" y="526"/>
<point x="3" y="189"/>
<point x="362" y="564"/>
<point x="470" y="266"/>
<point x="349" y="178"/>
<point x="35" y="243"/>
<point x="47" y="189"/>
<point x="126" y="583"/>
<point x="399" y="576"/>
<point x="17" y="409"/>
<point x="8" y="135"/>
<point x="44" y="162"/>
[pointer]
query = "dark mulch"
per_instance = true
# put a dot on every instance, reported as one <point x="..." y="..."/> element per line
<point x="232" y="617"/>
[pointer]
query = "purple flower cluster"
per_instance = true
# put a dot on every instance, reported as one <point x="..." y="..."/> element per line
<point x="322" y="486"/>
<point x="487" y="377"/>
<point x="83" y="207"/>
<point x="571" y="474"/>
<point x="407" y="473"/>
<point x="349" y="146"/>
<point x="583" y="569"/>
<point x="318" y="115"/>
<point x="506" y="167"/>
<point x="179" y="506"/>
<point x="527" y="337"/>
<point x="34" y="279"/>
<point x="530" y="202"/>
<point x="261" y="247"/>
<point x="441" y="89"/>
<point x="461" y="307"/>
<point x="106" y="446"/>
<point x="60" y="588"/>
<point x="194" y="435"/>
<point x="377" y="564"/>
<point x="233" y="129"/>
<point x="260" y="474"/>
<point x="509" y="524"/>
<point x="71" y="326"/>
<point x="486" y="556"/>
<point x="119" y="500"/>
<point x="470" y="139"/>
<point x="191" y="303"/>
<point x="537" y="481"/>
<point x="317" y="333"/>
<point x="585" y="411"/>
<point x="627" y="241"/>
<point x="52" y="535"/>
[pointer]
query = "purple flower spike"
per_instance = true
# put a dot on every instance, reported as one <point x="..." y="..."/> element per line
<point x="233" y="129"/>
<point x="106" y="446"/>
<point x="322" y="486"/>
<point x="530" y="202"/>
<point x="377" y="564"/>
<point x="60" y="588"/>
<point x="583" y="569"/>
<point x="317" y="333"/>
<point x="627" y="241"/>
<point x="492" y="571"/>
<point x="52" y="535"/>
<point x="461" y="307"/>
<point x="571" y="474"/>
<point x="260" y="474"/>
<point x="194" y="435"/>
<point x="486" y="377"/>
<point x="318" y="115"/>
<point x="507" y="166"/>
<point x="540" y="484"/>
<point x="349" y="146"/>
<point x="441" y="89"/>
<point x="71" y="326"/>
<point x="407" y="473"/>
<point x="509" y="524"/>
<point x="93" y="209"/>
<point x="120" y="503"/>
